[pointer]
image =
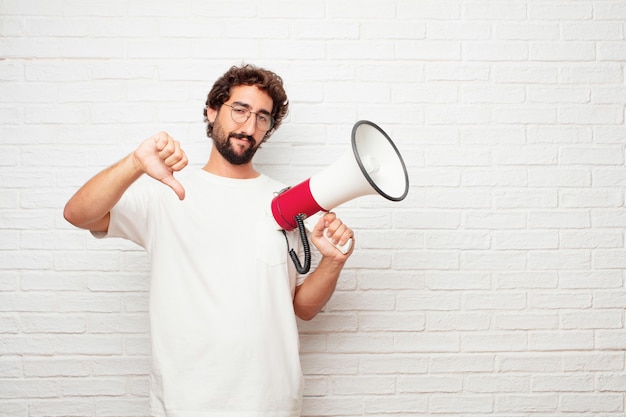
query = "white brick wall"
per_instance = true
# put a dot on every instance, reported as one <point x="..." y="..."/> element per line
<point x="495" y="289"/>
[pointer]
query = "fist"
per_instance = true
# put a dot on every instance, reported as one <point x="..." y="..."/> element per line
<point x="160" y="156"/>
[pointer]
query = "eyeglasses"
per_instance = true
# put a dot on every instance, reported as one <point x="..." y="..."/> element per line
<point x="241" y="114"/>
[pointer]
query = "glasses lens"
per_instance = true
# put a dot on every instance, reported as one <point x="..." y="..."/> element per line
<point x="240" y="114"/>
<point x="264" y="122"/>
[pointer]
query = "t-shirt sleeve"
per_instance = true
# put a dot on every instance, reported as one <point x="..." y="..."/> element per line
<point x="129" y="217"/>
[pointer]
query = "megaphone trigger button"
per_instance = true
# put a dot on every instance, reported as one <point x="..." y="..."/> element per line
<point x="282" y="191"/>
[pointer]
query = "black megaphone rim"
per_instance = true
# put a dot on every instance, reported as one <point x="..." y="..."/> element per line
<point x="362" y="167"/>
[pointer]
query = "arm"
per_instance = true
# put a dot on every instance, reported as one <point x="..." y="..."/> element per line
<point x="158" y="156"/>
<point x="319" y="286"/>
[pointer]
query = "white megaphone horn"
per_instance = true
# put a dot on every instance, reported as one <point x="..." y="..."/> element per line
<point x="374" y="166"/>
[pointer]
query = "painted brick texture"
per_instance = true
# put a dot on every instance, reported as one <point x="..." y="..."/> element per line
<point x="496" y="288"/>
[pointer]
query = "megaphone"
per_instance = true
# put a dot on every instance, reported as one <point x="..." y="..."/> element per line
<point x="373" y="166"/>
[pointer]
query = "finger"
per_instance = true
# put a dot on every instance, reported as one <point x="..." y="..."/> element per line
<point x="160" y="140"/>
<point x="180" y="164"/>
<point x="329" y="218"/>
<point x="168" y="149"/>
<point x="178" y="188"/>
<point x="335" y="228"/>
<point x="339" y="235"/>
<point x="177" y="156"/>
<point x="347" y="235"/>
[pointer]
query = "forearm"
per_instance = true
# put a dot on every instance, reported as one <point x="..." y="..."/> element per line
<point x="90" y="206"/>
<point x="317" y="289"/>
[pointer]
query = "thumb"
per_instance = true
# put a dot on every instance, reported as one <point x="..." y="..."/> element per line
<point x="318" y="230"/>
<point x="178" y="188"/>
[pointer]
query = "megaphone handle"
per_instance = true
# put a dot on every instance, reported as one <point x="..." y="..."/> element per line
<point x="310" y="223"/>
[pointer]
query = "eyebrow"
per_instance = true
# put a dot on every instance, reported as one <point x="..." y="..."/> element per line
<point x="247" y="106"/>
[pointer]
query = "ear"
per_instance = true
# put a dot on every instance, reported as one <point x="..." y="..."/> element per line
<point x="211" y="114"/>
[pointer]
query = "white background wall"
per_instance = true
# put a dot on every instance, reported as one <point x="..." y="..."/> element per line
<point x="495" y="289"/>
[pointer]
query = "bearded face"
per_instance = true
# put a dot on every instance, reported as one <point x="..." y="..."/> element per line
<point x="236" y="148"/>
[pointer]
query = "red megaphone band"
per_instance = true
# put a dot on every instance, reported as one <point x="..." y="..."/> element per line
<point x="292" y="202"/>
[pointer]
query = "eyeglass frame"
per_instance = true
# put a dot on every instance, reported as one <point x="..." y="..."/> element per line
<point x="250" y="112"/>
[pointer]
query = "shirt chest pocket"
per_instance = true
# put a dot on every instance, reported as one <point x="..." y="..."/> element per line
<point x="271" y="245"/>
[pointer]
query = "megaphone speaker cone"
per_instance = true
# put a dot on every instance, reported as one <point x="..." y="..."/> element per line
<point x="372" y="166"/>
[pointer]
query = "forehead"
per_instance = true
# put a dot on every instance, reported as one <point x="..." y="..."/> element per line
<point x="252" y="96"/>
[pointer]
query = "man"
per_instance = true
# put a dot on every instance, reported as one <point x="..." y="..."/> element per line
<point x="223" y="291"/>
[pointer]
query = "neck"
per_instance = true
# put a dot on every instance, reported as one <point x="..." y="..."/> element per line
<point x="217" y="165"/>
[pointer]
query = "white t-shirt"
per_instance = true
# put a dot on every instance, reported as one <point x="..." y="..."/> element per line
<point x="224" y="335"/>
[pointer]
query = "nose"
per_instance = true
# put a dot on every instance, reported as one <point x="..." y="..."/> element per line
<point x="249" y="127"/>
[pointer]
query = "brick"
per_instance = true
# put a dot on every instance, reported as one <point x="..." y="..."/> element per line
<point x="359" y="385"/>
<point x="396" y="404"/>
<point x="116" y="366"/>
<point x="329" y="363"/>
<point x="560" y="301"/>
<point x="434" y="342"/>
<point x="428" y="384"/>
<point x="460" y="403"/>
<point x="39" y="323"/>
<point x="525" y="321"/>
<point x="589" y="31"/>
<point x="360" y="343"/>
<point x="114" y="407"/>
<point x="562" y="52"/>
<point x="526" y="240"/>
<point x="530" y="362"/>
<point x="526" y="279"/>
<point x="559" y="341"/>
<point x="392" y="322"/>
<point x="537" y="403"/>
<point x="393" y="364"/>
<point x="592" y="403"/>
<point x="10" y="367"/>
<point x="591" y="239"/>
<point x="592" y="115"/>
<point x="494" y="51"/>
<point x="494" y="342"/>
<point x="61" y="407"/>
<point x="56" y="367"/>
<point x="330" y="406"/>
<point x="561" y="11"/>
<point x="612" y="382"/>
<point x="594" y="361"/>
<point x="424" y="302"/>
<point x="87" y="387"/>
<point x="590" y="279"/>
<point x="457" y="29"/>
<point x="562" y="383"/>
<point x="429" y="9"/>
<point x="527" y="31"/>
<point x="444" y="321"/>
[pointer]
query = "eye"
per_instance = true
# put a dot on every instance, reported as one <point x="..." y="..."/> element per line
<point x="263" y="118"/>
<point x="240" y="110"/>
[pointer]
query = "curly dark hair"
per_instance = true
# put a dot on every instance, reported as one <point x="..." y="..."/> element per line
<point x="266" y="80"/>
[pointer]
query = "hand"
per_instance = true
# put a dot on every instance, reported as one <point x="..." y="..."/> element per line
<point x="337" y="232"/>
<point x="160" y="156"/>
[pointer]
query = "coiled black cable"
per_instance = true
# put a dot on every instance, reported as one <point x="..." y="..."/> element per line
<point x="302" y="269"/>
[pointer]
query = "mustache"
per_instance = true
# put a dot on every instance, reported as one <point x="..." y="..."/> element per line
<point x="244" y="137"/>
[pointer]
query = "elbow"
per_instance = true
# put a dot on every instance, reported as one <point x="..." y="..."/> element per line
<point x="306" y="314"/>
<point x="306" y="317"/>
<point x="74" y="216"/>
<point x="68" y="215"/>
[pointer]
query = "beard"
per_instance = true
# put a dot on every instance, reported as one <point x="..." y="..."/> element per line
<point x="225" y="147"/>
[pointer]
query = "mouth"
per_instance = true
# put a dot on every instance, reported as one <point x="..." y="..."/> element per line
<point x="242" y="140"/>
